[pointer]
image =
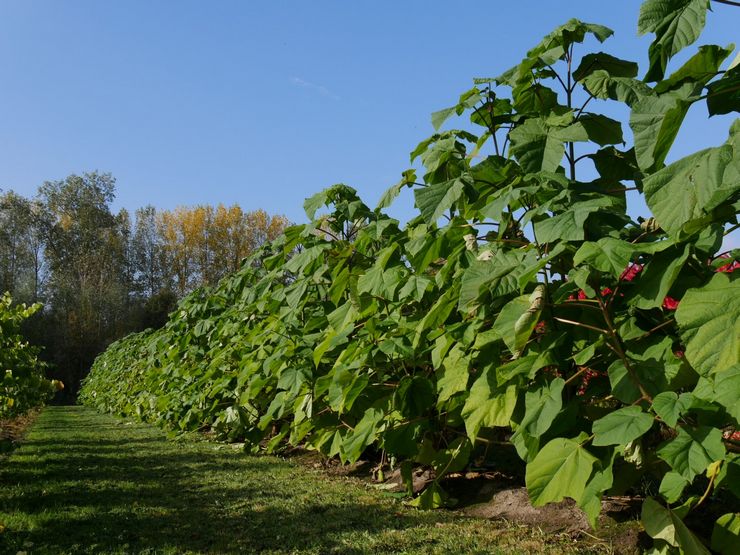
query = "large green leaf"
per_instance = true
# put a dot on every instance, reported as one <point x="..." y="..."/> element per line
<point x="669" y="406"/>
<point x="499" y="275"/>
<point x="698" y="181"/>
<point x="676" y="24"/>
<point x="709" y="321"/>
<point x="568" y="225"/>
<point x="379" y="282"/>
<point x="621" y="426"/>
<point x="623" y="89"/>
<point x="723" y="388"/>
<point x="723" y="95"/>
<point x="541" y="406"/>
<point x="434" y="200"/>
<point x="655" y="121"/>
<point x="561" y="469"/>
<point x="658" y="277"/>
<point x="726" y="534"/>
<point x="699" y="69"/>
<point x="363" y="434"/>
<point x="408" y="178"/>
<point x="608" y="254"/>
<point x="488" y="405"/>
<point x="539" y="143"/>
<point x="453" y="376"/>
<point x="517" y="320"/>
<point x="601" y="129"/>
<point x="693" y="450"/>
<point x="615" y="67"/>
<point x="664" y="524"/>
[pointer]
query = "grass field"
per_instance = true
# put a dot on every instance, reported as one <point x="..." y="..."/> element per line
<point x="83" y="482"/>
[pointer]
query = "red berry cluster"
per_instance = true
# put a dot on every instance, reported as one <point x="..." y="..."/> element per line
<point x="732" y="435"/>
<point x="588" y="376"/>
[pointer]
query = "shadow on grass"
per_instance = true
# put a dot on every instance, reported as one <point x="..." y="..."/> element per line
<point x="68" y="491"/>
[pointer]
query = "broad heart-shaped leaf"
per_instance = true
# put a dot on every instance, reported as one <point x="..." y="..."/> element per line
<point x="415" y="287"/>
<point x="723" y="388"/>
<point x="434" y="200"/>
<point x="676" y="24"/>
<point x="697" y="180"/>
<point x="702" y="180"/>
<point x="560" y="38"/>
<point x="726" y="534"/>
<point x="692" y="450"/>
<point x="608" y="254"/>
<point x="655" y="121"/>
<point x="517" y="320"/>
<point x="699" y="69"/>
<point x="539" y="146"/>
<point x="436" y="315"/>
<point x="672" y="486"/>
<point x="601" y="129"/>
<point x="621" y="426"/>
<point x="664" y="524"/>
<point x="499" y="275"/>
<point x="488" y="405"/>
<point x="659" y="276"/>
<point x="414" y="396"/>
<point x="541" y="406"/>
<point x="669" y="406"/>
<point x="601" y="480"/>
<point x="568" y="225"/>
<point x="615" y="67"/>
<point x="363" y="434"/>
<point x="709" y="322"/>
<point x="379" y="282"/>
<point x="723" y="95"/>
<point x="407" y="179"/>
<point x="453" y="376"/>
<point x="561" y="469"/>
<point x="623" y="89"/>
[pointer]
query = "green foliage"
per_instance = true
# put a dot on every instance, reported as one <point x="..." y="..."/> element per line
<point x="522" y="298"/>
<point x="23" y="384"/>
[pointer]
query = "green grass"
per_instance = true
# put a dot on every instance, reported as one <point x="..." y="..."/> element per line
<point x="83" y="482"/>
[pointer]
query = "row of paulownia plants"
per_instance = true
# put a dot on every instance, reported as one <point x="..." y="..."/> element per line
<point x="523" y="303"/>
<point x="23" y="382"/>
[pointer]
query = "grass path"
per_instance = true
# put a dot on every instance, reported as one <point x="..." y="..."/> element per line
<point x="83" y="482"/>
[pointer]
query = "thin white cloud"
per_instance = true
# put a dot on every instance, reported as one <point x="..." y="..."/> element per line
<point x="322" y="90"/>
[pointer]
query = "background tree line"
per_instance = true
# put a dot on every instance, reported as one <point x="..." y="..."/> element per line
<point x="100" y="274"/>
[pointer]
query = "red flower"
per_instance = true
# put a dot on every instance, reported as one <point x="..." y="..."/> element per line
<point x="679" y="354"/>
<point x="729" y="268"/>
<point x="606" y="291"/>
<point x="631" y="272"/>
<point x="540" y="327"/>
<point x="669" y="303"/>
<point x="582" y="295"/>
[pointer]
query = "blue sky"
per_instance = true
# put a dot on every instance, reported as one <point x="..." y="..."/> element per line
<point x="265" y="103"/>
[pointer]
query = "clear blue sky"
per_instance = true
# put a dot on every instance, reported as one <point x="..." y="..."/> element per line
<point x="264" y="103"/>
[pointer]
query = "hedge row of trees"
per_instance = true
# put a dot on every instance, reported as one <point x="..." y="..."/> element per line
<point x="523" y="311"/>
<point x="101" y="274"/>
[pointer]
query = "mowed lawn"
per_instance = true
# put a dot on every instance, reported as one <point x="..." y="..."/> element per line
<point x="83" y="482"/>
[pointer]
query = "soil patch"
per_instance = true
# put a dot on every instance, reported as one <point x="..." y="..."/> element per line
<point x="493" y="495"/>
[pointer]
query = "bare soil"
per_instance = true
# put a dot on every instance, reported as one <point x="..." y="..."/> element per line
<point x="500" y="497"/>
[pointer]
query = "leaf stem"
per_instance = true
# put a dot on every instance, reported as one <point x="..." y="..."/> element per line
<point x="580" y="324"/>
<point x="616" y="344"/>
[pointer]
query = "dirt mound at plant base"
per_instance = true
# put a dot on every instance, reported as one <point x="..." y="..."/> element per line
<point x="513" y="505"/>
<point x="501" y="500"/>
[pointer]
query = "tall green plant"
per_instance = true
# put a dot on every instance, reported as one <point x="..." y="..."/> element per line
<point x="23" y="384"/>
<point x="523" y="300"/>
